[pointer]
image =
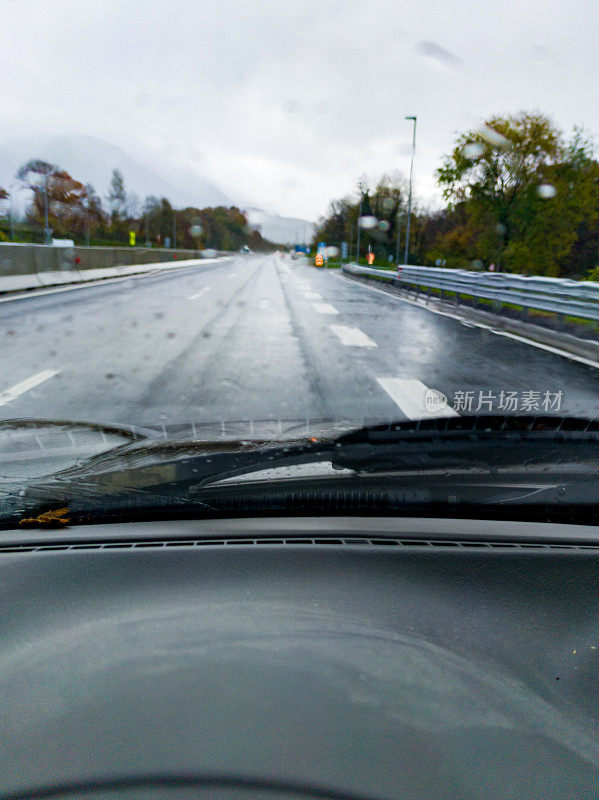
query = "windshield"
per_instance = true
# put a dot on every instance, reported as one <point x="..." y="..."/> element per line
<point x="259" y="225"/>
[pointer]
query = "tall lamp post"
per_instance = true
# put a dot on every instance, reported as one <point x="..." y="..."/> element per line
<point x="12" y="221"/>
<point x="47" y="229"/>
<point x="12" y="189"/>
<point x="358" y="242"/>
<point x="398" y="222"/>
<point x="410" y="192"/>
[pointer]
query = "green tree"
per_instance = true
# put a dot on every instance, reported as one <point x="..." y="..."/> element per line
<point x="163" y="221"/>
<point x="117" y="195"/>
<point x="222" y="229"/>
<point x="150" y="211"/>
<point x="525" y="188"/>
<point x="382" y="207"/>
<point x="133" y="205"/>
<point x="93" y="221"/>
<point x="593" y="274"/>
<point x="584" y="255"/>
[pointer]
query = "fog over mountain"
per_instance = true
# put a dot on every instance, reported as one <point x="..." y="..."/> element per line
<point x="283" y="230"/>
<point x="92" y="160"/>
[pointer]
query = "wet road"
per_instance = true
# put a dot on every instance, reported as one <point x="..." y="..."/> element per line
<point x="264" y="338"/>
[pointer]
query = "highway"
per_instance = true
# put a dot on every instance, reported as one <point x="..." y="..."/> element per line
<point x="256" y="338"/>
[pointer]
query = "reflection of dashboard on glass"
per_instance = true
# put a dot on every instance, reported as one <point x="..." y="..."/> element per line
<point x="191" y="787"/>
<point x="285" y="658"/>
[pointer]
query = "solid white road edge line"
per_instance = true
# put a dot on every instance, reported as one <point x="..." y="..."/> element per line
<point x="24" y="386"/>
<point x="555" y="350"/>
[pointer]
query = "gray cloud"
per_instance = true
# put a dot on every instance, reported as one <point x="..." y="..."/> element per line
<point x="443" y="56"/>
<point x="289" y="103"/>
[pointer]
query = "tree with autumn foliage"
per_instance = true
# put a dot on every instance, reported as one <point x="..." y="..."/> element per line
<point x="66" y="196"/>
<point x="524" y="190"/>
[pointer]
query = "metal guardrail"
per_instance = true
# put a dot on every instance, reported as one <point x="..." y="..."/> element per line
<point x="555" y="295"/>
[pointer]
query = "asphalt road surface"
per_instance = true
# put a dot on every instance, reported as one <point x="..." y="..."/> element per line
<point x="258" y="338"/>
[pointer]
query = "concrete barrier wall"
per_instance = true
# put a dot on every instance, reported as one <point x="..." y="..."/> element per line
<point x="55" y="277"/>
<point x="28" y="259"/>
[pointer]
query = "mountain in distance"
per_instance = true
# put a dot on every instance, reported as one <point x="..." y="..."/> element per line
<point x="92" y="160"/>
<point x="282" y="230"/>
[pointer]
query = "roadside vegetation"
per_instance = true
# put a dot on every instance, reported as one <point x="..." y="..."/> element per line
<point x="77" y="212"/>
<point x="520" y="196"/>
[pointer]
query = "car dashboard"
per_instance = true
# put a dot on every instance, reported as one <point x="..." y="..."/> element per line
<point x="342" y="657"/>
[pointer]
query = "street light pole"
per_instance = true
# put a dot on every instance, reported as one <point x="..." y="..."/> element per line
<point x="410" y="192"/>
<point x="47" y="234"/>
<point x="398" y="238"/>
<point x="358" y="243"/>
<point x="12" y="223"/>
<point x="87" y="222"/>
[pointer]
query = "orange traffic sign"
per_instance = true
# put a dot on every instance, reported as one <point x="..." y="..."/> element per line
<point x="318" y="261"/>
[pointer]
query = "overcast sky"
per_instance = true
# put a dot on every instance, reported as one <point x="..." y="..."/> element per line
<point x="285" y="104"/>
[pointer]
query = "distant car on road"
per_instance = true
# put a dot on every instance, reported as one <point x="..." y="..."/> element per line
<point x="209" y="253"/>
<point x="244" y="249"/>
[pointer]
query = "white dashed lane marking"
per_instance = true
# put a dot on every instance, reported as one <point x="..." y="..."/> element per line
<point x="312" y="296"/>
<point x="325" y="308"/>
<point x="200" y="293"/>
<point x="352" y="337"/>
<point x="415" y="399"/>
<point x="24" y="386"/>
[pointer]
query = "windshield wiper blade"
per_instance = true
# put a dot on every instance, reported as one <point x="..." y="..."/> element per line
<point x="490" y="442"/>
<point x="155" y="475"/>
<point x="475" y="424"/>
<point x="546" y="453"/>
<point x="132" y="432"/>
